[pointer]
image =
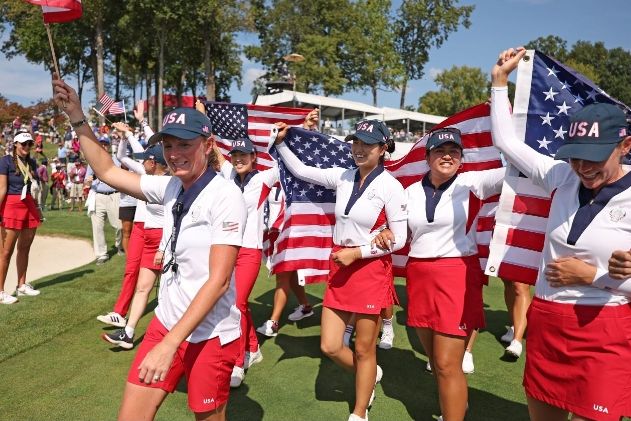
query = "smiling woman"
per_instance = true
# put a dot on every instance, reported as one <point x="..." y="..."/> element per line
<point x="196" y="326"/>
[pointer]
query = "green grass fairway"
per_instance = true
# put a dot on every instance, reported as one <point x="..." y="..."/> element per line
<point x="54" y="366"/>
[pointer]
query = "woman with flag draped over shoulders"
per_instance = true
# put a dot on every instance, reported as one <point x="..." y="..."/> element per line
<point x="195" y="330"/>
<point x="579" y="343"/>
<point x="360" y="278"/>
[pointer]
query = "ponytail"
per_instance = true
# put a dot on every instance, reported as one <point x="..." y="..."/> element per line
<point x="390" y="145"/>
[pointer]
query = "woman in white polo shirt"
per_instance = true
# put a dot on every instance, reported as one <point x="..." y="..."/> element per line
<point x="360" y="279"/>
<point x="444" y="278"/>
<point x="255" y="186"/>
<point x="579" y="343"/>
<point x="196" y="328"/>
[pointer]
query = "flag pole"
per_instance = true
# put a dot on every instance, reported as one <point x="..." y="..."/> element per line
<point x="124" y="111"/>
<point x="102" y="115"/>
<point x="52" y="49"/>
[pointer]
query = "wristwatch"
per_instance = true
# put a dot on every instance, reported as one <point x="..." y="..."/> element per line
<point x="77" y="124"/>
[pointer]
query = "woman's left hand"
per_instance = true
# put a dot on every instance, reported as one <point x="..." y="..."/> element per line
<point x="384" y="240"/>
<point x="155" y="366"/>
<point x="567" y="271"/>
<point x="346" y="257"/>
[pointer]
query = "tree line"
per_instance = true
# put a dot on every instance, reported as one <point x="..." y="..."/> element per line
<point x="190" y="46"/>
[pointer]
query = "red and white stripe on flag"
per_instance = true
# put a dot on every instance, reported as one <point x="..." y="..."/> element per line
<point x="116" y="108"/>
<point x="479" y="154"/>
<point x="522" y="214"/>
<point x="59" y="11"/>
<point x="306" y="240"/>
<point x="261" y="119"/>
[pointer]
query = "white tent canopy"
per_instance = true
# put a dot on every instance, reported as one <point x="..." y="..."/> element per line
<point x="339" y="110"/>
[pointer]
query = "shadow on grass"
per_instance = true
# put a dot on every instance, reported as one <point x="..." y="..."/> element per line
<point x="66" y="277"/>
<point x="241" y="407"/>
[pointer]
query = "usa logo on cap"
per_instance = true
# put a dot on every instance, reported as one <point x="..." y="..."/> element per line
<point x="623" y="132"/>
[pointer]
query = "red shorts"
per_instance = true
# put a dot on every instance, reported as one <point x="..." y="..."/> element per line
<point x="445" y="294"/>
<point x="577" y="358"/>
<point x="152" y="242"/>
<point x="19" y="214"/>
<point x="364" y="287"/>
<point x="207" y="366"/>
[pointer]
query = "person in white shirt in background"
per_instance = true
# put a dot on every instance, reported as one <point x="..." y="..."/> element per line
<point x="579" y="342"/>
<point x="196" y="329"/>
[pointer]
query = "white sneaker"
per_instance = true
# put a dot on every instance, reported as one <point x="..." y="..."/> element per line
<point x="269" y="328"/>
<point x="387" y="337"/>
<point x="7" y="299"/>
<point x="377" y="380"/>
<point x="238" y="374"/>
<point x="354" y="417"/>
<point x="509" y="335"/>
<point x="514" y="349"/>
<point x="467" y="363"/>
<point x="112" y="318"/>
<point x="300" y="313"/>
<point x="27" y="289"/>
<point x="252" y="358"/>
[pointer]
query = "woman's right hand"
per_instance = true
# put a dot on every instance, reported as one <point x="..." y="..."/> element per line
<point x="384" y="240"/>
<point x="158" y="258"/>
<point x="620" y="264"/>
<point x="139" y="111"/>
<point x="282" y="132"/>
<point x="67" y="99"/>
<point x="507" y="62"/>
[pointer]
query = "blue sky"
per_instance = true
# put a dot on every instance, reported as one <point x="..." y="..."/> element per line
<point x="496" y="24"/>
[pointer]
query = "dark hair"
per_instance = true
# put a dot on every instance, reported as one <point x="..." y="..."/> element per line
<point x="390" y="145"/>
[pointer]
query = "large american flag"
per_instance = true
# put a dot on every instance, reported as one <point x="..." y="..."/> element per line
<point x="231" y="121"/>
<point x="547" y="94"/>
<point x="306" y="238"/>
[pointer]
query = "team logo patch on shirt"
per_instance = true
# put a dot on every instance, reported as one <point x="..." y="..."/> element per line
<point x="617" y="214"/>
<point x="230" y="226"/>
<point x="195" y="213"/>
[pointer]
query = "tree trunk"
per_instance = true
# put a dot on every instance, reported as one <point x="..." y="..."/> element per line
<point x="117" y="66"/>
<point x="149" y="109"/>
<point x="404" y="87"/>
<point x="161" y="82"/>
<point x="209" y="68"/>
<point x="100" y="57"/>
<point x="374" y="95"/>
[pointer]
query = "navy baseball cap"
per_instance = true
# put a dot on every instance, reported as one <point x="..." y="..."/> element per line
<point x="242" y="144"/>
<point x="156" y="153"/>
<point x="370" y="132"/>
<point x="185" y="124"/>
<point x="594" y="133"/>
<point x="442" y="136"/>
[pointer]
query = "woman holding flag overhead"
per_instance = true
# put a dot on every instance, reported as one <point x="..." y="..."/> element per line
<point x="360" y="279"/>
<point x="195" y="331"/>
<point x="579" y="345"/>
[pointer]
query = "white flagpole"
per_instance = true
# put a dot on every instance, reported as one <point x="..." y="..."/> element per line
<point x="124" y="111"/>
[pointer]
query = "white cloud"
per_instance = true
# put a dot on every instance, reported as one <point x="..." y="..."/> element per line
<point x="434" y="71"/>
<point x="251" y="74"/>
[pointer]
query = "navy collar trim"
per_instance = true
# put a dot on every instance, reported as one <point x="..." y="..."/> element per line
<point x="246" y="179"/>
<point x="591" y="204"/>
<point x="357" y="191"/>
<point x="433" y="195"/>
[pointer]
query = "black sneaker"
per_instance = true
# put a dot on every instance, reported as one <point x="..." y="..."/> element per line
<point x="119" y="337"/>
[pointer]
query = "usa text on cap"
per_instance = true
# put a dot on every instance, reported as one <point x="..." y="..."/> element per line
<point x="371" y="132"/>
<point x="442" y="136"/>
<point x="23" y="137"/>
<point x="242" y="144"/>
<point x="184" y="123"/>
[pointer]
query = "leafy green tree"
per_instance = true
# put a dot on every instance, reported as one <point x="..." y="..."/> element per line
<point x="421" y="25"/>
<point x="459" y="88"/>
<point x="551" y="45"/>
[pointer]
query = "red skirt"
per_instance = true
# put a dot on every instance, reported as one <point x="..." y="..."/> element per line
<point x="19" y="214"/>
<point x="577" y="358"/>
<point x="366" y="286"/>
<point x="445" y="294"/>
<point x="152" y="238"/>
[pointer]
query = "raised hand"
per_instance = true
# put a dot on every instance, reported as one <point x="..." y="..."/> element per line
<point x="282" y="132"/>
<point x="67" y="99"/>
<point x="506" y="63"/>
<point x="311" y="121"/>
<point x="139" y="111"/>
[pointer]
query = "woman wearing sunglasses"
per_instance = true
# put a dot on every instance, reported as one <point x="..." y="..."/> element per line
<point x="19" y="213"/>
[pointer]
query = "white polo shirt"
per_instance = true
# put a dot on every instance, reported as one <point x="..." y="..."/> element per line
<point x="255" y="192"/>
<point x="380" y="204"/>
<point x="217" y="216"/>
<point x="593" y="239"/>
<point x="437" y="218"/>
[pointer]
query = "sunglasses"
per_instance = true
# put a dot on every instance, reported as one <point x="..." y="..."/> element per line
<point x="29" y="143"/>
